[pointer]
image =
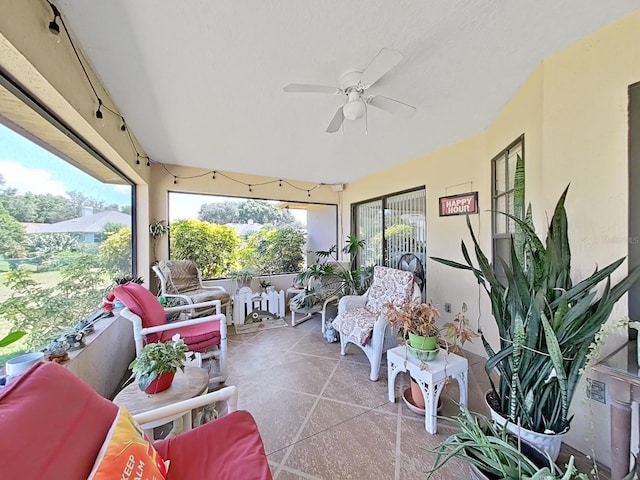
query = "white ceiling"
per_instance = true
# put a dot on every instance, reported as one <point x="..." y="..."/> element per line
<point x="200" y="81"/>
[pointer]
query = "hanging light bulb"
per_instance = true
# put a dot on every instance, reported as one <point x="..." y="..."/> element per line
<point x="148" y="162"/>
<point x="53" y="24"/>
<point x="137" y="158"/>
<point x="123" y="125"/>
<point x="99" y="114"/>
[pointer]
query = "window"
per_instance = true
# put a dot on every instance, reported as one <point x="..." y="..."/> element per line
<point x="64" y="236"/>
<point x="503" y="168"/>
<point x="394" y="229"/>
<point x="264" y="236"/>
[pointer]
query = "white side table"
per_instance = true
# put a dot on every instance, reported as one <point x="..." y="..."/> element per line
<point x="431" y="379"/>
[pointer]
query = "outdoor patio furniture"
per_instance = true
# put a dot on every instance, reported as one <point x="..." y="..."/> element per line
<point x="207" y="335"/>
<point x="361" y="319"/>
<point x="183" y="279"/>
<point x="54" y="425"/>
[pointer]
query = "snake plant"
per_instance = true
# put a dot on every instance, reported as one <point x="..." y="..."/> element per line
<point x="545" y="322"/>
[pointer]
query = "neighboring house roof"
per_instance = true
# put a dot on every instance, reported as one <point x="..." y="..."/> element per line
<point x="88" y="224"/>
<point x="244" y="228"/>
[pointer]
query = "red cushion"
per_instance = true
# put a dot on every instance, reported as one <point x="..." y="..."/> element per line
<point x="53" y="425"/>
<point x="197" y="337"/>
<point x="234" y="451"/>
<point x="141" y="302"/>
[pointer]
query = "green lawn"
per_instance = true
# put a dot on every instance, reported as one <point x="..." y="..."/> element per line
<point x="46" y="278"/>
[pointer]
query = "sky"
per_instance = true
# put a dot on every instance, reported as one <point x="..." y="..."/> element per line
<point x="30" y="168"/>
<point x="27" y="167"/>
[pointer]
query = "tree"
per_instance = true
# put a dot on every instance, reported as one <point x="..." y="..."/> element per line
<point x="12" y="236"/>
<point x="115" y="253"/>
<point x="49" y="249"/>
<point x="264" y="212"/>
<point x="43" y="311"/>
<point x="221" y="212"/>
<point x="273" y="250"/>
<point x="211" y="246"/>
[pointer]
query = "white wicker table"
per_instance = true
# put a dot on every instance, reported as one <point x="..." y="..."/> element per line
<point x="431" y="377"/>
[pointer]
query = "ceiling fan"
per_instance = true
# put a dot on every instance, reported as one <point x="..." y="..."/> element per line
<point x="354" y="84"/>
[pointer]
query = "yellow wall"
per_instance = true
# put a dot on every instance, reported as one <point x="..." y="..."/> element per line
<point x="573" y="113"/>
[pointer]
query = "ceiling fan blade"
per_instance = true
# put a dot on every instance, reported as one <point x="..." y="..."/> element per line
<point x="336" y="121"/>
<point x="391" y="105"/>
<point x="304" y="88"/>
<point x="385" y="60"/>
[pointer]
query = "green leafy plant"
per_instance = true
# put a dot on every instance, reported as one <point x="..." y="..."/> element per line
<point x="422" y="319"/>
<point x="212" y="247"/>
<point x="158" y="358"/>
<point x="11" y="338"/>
<point x="330" y="278"/>
<point x="545" y="322"/>
<point x="244" y="275"/>
<point x="158" y="229"/>
<point x="488" y="446"/>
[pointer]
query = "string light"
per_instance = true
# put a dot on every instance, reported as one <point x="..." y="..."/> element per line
<point x="175" y="180"/>
<point x="215" y="174"/>
<point x="53" y="25"/>
<point x="99" y="115"/>
<point x="55" y="29"/>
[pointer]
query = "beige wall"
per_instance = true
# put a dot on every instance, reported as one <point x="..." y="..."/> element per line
<point x="573" y="113"/>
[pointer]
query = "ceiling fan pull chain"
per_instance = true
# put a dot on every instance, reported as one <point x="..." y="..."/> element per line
<point x="366" y="118"/>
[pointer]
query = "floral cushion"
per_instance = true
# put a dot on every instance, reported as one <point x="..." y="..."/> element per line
<point x="356" y="324"/>
<point x="389" y="286"/>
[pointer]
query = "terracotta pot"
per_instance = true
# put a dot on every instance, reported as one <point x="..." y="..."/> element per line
<point x="161" y="383"/>
<point x="547" y="443"/>
<point x="416" y="394"/>
<point x="423" y="343"/>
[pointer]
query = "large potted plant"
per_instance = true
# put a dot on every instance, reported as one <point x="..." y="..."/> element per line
<point x="545" y="324"/>
<point x="157" y="364"/>
<point x="494" y="453"/>
<point x="329" y="277"/>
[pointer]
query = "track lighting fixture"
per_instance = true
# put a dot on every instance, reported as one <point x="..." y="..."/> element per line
<point x="53" y="24"/>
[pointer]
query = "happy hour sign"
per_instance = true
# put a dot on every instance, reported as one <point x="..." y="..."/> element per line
<point x="459" y="204"/>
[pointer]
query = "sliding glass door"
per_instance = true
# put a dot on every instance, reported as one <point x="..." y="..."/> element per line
<point x="394" y="229"/>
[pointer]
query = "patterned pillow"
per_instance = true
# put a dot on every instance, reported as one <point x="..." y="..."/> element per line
<point x="389" y="286"/>
<point x="127" y="453"/>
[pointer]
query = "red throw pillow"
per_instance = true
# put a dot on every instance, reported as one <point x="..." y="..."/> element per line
<point x="141" y="302"/>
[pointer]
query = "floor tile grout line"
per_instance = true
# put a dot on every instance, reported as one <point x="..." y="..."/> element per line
<point x="296" y="438"/>
<point x="396" y="472"/>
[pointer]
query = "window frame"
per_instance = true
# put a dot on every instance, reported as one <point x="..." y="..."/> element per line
<point x="509" y="193"/>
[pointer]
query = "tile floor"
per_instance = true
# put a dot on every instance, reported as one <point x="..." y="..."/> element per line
<point x="321" y="417"/>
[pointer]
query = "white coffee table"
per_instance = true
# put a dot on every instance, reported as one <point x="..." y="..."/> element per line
<point x="431" y="376"/>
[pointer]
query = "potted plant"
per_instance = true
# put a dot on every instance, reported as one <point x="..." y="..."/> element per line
<point x="330" y="278"/>
<point x="418" y="323"/>
<point x="545" y="324"/>
<point x="493" y="453"/>
<point x="243" y="277"/>
<point x="418" y="326"/>
<point x="156" y="231"/>
<point x="157" y="364"/>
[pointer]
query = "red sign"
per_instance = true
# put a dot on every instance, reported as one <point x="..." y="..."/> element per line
<point x="459" y="204"/>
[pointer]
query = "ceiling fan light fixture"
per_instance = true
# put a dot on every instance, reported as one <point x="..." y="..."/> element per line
<point x="353" y="110"/>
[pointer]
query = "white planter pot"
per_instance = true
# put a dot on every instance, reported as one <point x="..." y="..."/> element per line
<point x="547" y="443"/>
<point x="18" y="365"/>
